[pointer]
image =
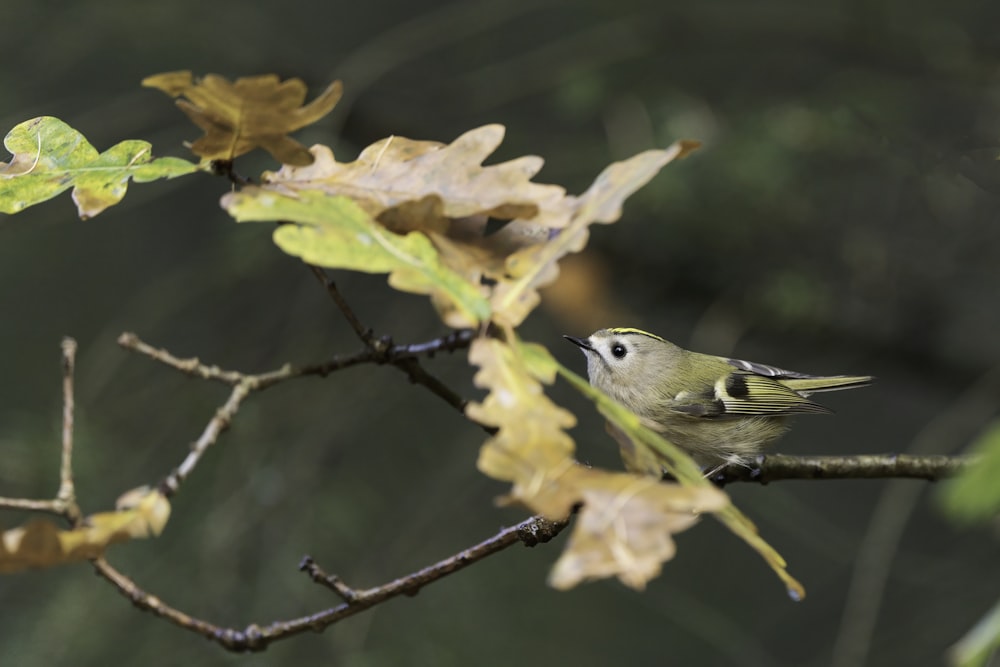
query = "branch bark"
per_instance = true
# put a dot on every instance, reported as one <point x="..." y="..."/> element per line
<point x="777" y="467"/>
<point x="536" y="530"/>
<point x="255" y="637"/>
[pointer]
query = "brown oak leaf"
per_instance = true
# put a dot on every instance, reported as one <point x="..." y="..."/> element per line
<point x="251" y="112"/>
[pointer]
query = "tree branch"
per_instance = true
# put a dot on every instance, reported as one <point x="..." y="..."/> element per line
<point x="194" y="367"/>
<point x="64" y="504"/>
<point x="366" y="335"/>
<point x="379" y="351"/>
<point x="255" y="637"/>
<point x="402" y="357"/>
<point x="67" y="491"/>
<point x="776" y="467"/>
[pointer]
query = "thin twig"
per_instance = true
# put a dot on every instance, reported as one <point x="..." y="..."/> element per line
<point x="67" y="492"/>
<point x="331" y="581"/>
<point x="194" y="367"/>
<point x="254" y="637"/>
<point x="776" y="467"/>
<point x="364" y="334"/>
<point x="219" y="422"/>
<point x="64" y="504"/>
<point x="377" y="353"/>
<point x="380" y="351"/>
<point x="50" y="506"/>
<point x="419" y="375"/>
<point x="402" y="357"/>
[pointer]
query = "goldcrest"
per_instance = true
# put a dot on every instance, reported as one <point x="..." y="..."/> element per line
<point x="719" y="410"/>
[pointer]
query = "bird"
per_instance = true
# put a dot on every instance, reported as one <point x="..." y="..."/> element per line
<point x="719" y="410"/>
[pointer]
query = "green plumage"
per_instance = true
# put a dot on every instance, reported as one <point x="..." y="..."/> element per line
<point x="719" y="410"/>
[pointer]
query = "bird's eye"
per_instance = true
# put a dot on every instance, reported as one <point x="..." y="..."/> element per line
<point x="618" y="350"/>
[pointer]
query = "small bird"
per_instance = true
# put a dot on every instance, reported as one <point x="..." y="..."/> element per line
<point x="718" y="410"/>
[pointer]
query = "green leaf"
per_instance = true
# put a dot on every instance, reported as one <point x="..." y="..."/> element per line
<point x="979" y="643"/>
<point x="974" y="495"/>
<point x="337" y="233"/>
<point x="51" y="157"/>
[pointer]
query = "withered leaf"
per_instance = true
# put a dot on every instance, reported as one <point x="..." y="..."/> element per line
<point x="251" y="112"/>
<point x="396" y="171"/>
<point x="40" y="543"/>
<point x="534" y="266"/>
<point x="531" y="449"/>
<point x="626" y="525"/>
<point x="445" y="192"/>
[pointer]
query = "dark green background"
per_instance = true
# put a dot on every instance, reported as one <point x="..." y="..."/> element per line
<point x="842" y="217"/>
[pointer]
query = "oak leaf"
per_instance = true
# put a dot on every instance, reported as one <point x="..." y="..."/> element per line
<point x="397" y="171"/>
<point x="250" y="112"/>
<point x="51" y="157"/>
<point x="531" y="449"/>
<point x="335" y="232"/>
<point x="626" y="527"/>
<point x="535" y="265"/>
<point x="40" y="543"/>
<point x="445" y="192"/>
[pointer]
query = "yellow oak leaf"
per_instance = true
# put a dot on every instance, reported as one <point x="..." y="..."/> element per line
<point x="251" y="112"/>
<point x="535" y="265"/>
<point x="39" y="543"/>
<point x="626" y="525"/>
<point x="531" y="449"/>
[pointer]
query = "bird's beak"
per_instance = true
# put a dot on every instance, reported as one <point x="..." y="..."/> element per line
<point x="581" y="342"/>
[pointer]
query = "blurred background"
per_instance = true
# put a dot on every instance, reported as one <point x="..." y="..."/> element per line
<point x="841" y="218"/>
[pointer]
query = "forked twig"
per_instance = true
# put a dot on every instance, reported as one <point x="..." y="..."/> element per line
<point x="64" y="504"/>
<point x="256" y="637"/>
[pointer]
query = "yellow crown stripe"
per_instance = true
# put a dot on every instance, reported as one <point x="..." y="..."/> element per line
<point x="639" y="332"/>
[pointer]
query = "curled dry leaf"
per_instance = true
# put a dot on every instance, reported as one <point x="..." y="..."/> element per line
<point x="531" y="449"/>
<point x="626" y="521"/>
<point x="626" y="527"/>
<point x="40" y="543"/>
<point x="396" y="172"/>
<point x="535" y="266"/>
<point x="249" y="112"/>
<point x="51" y="157"/>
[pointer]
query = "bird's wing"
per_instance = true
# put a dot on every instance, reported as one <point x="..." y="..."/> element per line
<point x="803" y="383"/>
<point x="764" y="369"/>
<point x="745" y="394"/>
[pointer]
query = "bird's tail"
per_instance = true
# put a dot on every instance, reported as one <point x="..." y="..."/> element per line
<point x="817" y="383"/>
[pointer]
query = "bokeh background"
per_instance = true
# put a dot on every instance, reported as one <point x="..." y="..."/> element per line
<point x="841" y="217"/>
